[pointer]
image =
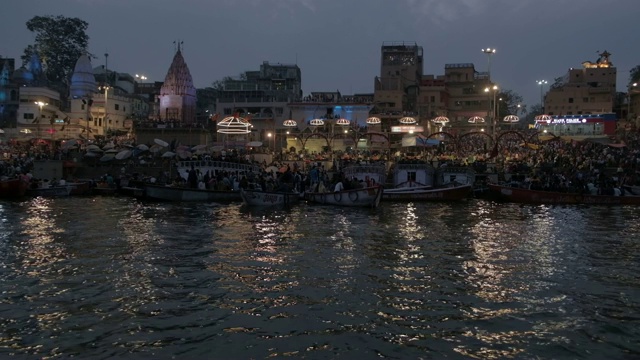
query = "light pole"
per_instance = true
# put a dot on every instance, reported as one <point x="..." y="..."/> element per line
<point x="142" y="78"/>
<point x="493" y="89"/>
<point x="489" y="52"/>
<point x="631" y="86"/>
<point x="106" y="101"/>
<point x="541" y="83"/>
<point x="40" y="105"/>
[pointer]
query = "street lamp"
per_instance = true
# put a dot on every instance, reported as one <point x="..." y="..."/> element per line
<point x="541" y="83"/>
<point x="142" y="78"/>
<point x="631" y="86"/>
<point x="40" y="105"/>
<point x="274" y="141"/>
<point x="493" y="89"/>
<point x="489" y="52"/>
<point x="106" y="96"/>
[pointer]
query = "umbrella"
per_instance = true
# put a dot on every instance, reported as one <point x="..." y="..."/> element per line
<point x="91" y="154"/>
<point x="199" y="147"/>
<point x="168" y="154"/>
<point x="1" y="131"/>
<point x="94" y="147"/>
<point x="143" y="147"/>
<point x="255" y="143"/>
<point x="107" y="157"/>
<point x="271" y="169"/>
<point x="108" y="146"/>
<point x="111" y="151"/>
<point x="155" y="148"/>
<point x="217" y="148"/>
<point x="201" y="152"/>
<point x="184" y="154"/>
<point x="161" y="142"/>
<point x="124" y="154"/>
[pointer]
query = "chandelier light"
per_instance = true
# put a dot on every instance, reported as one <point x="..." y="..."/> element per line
<point x="316" y="122"/>
<point x="511" y="118"/>
<point x="290" y="123"/>
<point x="476" y="120"/>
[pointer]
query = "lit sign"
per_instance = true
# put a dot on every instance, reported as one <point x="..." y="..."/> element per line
<point x="59" y="121"/>
<point x="406" y="129"/>
<point x="568" y="121"/>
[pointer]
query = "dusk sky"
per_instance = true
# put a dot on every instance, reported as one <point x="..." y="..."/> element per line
<point x="337" y="43"/>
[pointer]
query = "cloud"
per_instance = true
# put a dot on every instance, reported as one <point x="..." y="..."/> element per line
<point x="444" y="11"/>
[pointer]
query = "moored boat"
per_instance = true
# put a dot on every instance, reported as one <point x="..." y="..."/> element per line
<point x="528" y="196"/>
<point x="269" y="198"/>
<point x="50" y="191"/>
<point x="177" y="193"/>
<point x="415" y="182"/>
<point x="363" y="197"/>
<point x="12" y="188"/>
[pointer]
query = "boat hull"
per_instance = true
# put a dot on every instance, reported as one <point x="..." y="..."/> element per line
<point x="365" y="197"/>
<point x="53" y="191"/>
<point x="169" y="193"/>
<point x="454" y="193"/>
<point x="12" y="189"/>
<point x="526" y="196"/>
<point x="269" y="198"/>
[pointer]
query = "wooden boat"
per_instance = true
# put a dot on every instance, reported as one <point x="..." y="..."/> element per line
<point x="50" y="191"/>
<point x="415" y="182"/>
<point x="426" y="193"/>
<point x="527" y="196"/>
<point x="269" y="198"/>
<point x="363" y="197"/>
<point x="12" y="188"/>
<point x="175" y="193"/>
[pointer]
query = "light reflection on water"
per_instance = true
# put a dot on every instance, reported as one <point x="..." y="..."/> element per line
<point x="112" y="277"/>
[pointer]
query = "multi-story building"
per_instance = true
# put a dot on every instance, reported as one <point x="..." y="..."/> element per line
<point x="590" y="90"/>
<point x="262" y="96"/>
<point x="9" y="99"/>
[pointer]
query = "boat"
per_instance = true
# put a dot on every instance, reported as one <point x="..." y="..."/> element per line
<point x="50" y="191"/>
<point x="214" y="166"/>
<point x="414" y="181"/>
<point x="515" y="194"/>
<point x="177" y="193"/>
<point x="12" y="188"/>
<point x="269" y="198"/>
<point x="363" y="197"/>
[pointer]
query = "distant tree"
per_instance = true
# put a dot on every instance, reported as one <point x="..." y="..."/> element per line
<point x="530" y="116"/>
<point x="59" y="42"/>
<point x="634" y="75"/>
<point x="508" y="103"/>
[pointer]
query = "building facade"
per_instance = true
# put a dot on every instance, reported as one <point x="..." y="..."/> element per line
<point x="589" y="90"/>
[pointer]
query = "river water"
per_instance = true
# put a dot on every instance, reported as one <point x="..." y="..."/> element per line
<point x="112" y="277"/>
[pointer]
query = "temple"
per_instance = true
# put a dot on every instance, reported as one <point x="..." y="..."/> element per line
<point x="178" y="95"/>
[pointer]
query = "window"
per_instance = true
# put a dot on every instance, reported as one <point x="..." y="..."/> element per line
<point x="117" y="106"/>
<point x="433" y="98"/>
<point x="585" y="99"/>
<point x="570" y="100"/>
<point x="28" y="116"/>
<point x="411" y="176"/>
<point x="82" y="107"/>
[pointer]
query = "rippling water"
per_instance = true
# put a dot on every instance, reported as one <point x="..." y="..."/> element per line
<point x="116" y="278"/>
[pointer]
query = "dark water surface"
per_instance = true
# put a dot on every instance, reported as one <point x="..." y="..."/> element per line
<point x="108" y="277"/>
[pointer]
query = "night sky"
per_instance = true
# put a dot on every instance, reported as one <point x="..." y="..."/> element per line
<point x="337" y="43"/>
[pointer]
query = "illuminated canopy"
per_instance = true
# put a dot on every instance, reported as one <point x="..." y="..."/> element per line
<point x="511" y="118"/>
<point x="543" y="118"/>
<point x="234" y="125"/>
<point x="373" y="120"/>
<point x="343" y="122"/>
<point x="290" y="123"/>
<point x="407" y="120"/>
<point x="441" y="120"/>
<point x="316" y="122"/>
<point x="476" y="119"/>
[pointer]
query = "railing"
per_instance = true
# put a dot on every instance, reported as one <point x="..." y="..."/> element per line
<point x="218" y="165"/>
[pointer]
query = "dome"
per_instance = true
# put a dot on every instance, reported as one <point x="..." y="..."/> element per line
<point x="22" y="76"/>
<point x="178" y="80"/>
<point x="83" y="82"/>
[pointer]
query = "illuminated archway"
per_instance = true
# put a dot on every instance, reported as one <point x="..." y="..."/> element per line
<point x="304" y="139"/>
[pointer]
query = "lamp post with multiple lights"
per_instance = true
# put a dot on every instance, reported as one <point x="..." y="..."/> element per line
<point x="542" y="83"/>
<point x="631" y="87"/>
<point x="489" y="52"/>
<point x="40" y="104"/>
<point x="493" y="106"/>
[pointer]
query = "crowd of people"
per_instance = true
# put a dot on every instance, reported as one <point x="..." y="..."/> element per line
<point x="554" y="165"/>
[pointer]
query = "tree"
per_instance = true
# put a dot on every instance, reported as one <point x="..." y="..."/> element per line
<point x="634" y="75"/>
<point x="508" y="103"/>
<point x="59" y="42"/>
